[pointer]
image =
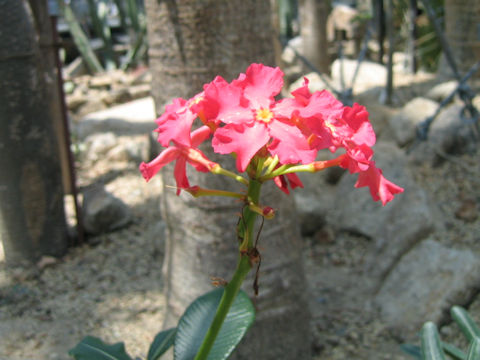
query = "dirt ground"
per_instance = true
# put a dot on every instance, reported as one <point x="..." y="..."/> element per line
<point x="112" y="287"/>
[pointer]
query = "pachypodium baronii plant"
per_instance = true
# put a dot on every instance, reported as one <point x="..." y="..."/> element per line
<point x="271" y="140"/>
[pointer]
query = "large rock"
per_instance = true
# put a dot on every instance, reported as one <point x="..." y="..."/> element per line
<point x="404" y="123"/>
<point x="448" y="135"/>
<point x="369" y="74"/>
<point x="442" y="91"/>
<point x="395" y="228"/>
<point x="426" y="283"/>
<point x="103" y="212"/>
<point x="135" y="117"/>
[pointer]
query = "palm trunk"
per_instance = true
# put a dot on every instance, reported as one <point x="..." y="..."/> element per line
<point x="32" y="221"/>
<point x="190" y="43"/>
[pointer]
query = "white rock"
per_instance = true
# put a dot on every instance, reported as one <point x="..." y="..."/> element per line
<point x="441" y="91"/>
<point x="135" y="117"/>
<point x="369" y="75"/>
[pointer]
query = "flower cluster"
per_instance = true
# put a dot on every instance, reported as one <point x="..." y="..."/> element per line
<point x="270" y="139"/>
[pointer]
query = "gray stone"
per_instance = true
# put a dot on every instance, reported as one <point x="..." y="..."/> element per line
<point x="404" y="123"/>
<point x="135" y="117"/>
<point x="395" y="228"/>
<point x="448" y="135"/>
<point x="426" y="283"/>
<point x="98" y="145"/>
<point x="311" y="203"/>
<point x="441" y="91"/>
<point x="102" y="212"/>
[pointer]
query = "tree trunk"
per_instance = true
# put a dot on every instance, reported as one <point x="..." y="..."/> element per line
<point x="190" y="43"/>
<point x="32" y="221"/>
<point x="462" y="30"/>
<point x="313" y="20"/>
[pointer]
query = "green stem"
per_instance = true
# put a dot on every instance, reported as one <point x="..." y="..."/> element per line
<point x="221" y="171"/>
<point x="245" y="231"/>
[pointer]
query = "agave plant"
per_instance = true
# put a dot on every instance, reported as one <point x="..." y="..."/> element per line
<point x="432" y="348"/>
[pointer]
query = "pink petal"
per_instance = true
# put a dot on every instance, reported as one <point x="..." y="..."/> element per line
<point x="229" y="102"/>
<point x="261" y="84"/>
<point x="180" y="173"/>
<point x="148" y="170"/>
<point x="380" y="188"/>
<point x="357" y="119"/>
<point x="243" y="140"/>
<point x="290" y="144"/>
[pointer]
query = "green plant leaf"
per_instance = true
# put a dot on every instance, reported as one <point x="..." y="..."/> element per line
<point x="412" y="350"/>
<point x="465" y="322"/>
<point x="196" y="320"/>
<point x="431" y="346"/>
<point x="453" y="351"/>
<point x="161" y="343"/>
<point x="92" y="348"/>
<point x="474" y="349"/>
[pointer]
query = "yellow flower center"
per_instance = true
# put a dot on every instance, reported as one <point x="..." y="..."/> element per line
<point x="264" y="115"/>
<point x="330" y="126"/>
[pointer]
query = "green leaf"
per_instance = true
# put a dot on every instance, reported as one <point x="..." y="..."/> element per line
<point x="431" y="346"/>
<point x="196" y="320"/>
<point x="92" y="348"/>
<point x="453" y="351"/>
<point x="474" y="349"/>
<point x="161" y="343"/>
<point x="465" y="322"/>
<point x="412" y="350"/>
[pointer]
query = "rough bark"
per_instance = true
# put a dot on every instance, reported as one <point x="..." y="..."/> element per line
<point x="32" y="221"/>
<point x="190" y="43"/>
<point x="313" y="20"/>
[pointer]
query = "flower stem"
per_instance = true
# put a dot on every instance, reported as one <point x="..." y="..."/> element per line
<point x="221" y="171"/>
<point x="245" y="231"/>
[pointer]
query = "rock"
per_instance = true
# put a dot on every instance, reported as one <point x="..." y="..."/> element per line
<point x="404" y="123"/>
<point x="98" y="145"/>
<point x="294" y="46"/>
<point x="101" y="81"/>
<point x="317" y="197"/>
<point x="135" y="150"/>
<point x="315" y="83"/>
<point x="46" y="261"/>
<point x="135" y="117"/>
<point x="427" y="281"/>
<point x="369" y="75"/>
<point x="448" y="135"/>
<point x="116" y="96"/>
<point x="75" y="101"/>
<point x="393" y="229"/>
<point x="139" y="91"/>
<point x="103" y="212"/>
<point x="441" y="91"/>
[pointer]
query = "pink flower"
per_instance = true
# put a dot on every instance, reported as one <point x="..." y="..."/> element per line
<point x="247" y="107"/>
<point x="380" y="188"/>
<point x="182" y="155"/>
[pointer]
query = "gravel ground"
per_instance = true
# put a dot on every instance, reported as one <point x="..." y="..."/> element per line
<point x="112" y="287"/>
